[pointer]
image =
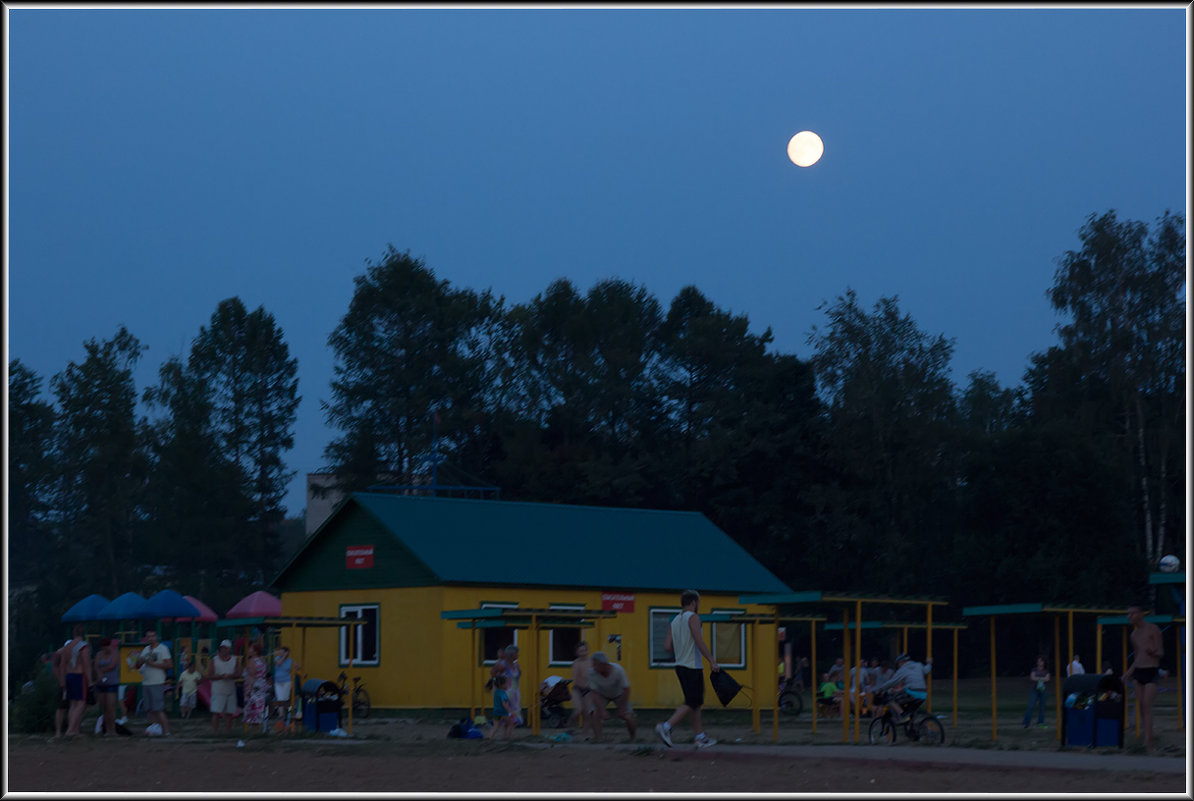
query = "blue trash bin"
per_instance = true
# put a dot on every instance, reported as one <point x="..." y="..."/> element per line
<point x="321" y="705"/>
<point x="1097" y="720"/>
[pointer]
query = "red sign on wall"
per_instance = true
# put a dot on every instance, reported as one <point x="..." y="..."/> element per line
<point x="617" y="601"/>
<point x="358" y="556"/>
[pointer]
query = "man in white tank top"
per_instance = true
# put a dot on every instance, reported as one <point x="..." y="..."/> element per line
<point x="685" y="641"/>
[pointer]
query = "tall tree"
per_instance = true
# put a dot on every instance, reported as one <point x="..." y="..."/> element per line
<point x="102" y="466"/>
<point x="405" y="350"/>
<point x="1123" y="292"/>
<point x="196" y="497"/>
<point x="30" y="473"/>
<point x="890" y="414"/>
<point x="244" y="363"/>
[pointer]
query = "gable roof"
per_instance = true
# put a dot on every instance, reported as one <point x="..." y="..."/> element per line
<point x="469" y="541"/>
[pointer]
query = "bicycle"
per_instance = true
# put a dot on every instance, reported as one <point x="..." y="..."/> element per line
<point x="919" y="728"/>
<point x="360" y="696"/>
<point x="790" y="699"/>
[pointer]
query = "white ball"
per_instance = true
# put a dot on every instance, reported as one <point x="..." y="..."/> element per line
<point x="1169" y="563"/>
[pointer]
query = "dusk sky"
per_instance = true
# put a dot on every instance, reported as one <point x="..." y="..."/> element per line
<point x="161" y="161"/>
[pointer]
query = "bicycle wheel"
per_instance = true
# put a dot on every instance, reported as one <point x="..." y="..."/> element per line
<point x="360" y="703"/>
<point x="791" y="703"/>
<point x="882" y="732"/>
<point x="930" y="731"/>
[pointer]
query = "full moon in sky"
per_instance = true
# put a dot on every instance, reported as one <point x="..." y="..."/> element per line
<point x="805" y="148"/>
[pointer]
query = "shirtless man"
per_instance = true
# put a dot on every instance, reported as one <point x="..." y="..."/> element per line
<point x="1146" y="643"/>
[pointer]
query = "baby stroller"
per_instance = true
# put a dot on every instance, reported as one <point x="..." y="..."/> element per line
<point x="551" y="702"/>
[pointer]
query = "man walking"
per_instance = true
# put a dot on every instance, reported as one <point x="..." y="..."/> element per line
<point x="153" y="662"/>
<point x="1148" y="648"/>
<point x="684" y="640"/>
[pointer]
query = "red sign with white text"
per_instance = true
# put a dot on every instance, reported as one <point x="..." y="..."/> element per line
<point x="617" y="601"/>
<point x="358" y="556"/>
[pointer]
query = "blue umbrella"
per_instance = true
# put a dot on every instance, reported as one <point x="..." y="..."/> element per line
<point x="86" y="609"/>
<point x="129" y="606"/>
<point x="169" y="604"/>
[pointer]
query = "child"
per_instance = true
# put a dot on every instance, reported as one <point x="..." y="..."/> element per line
<point x="188" y="686"/>
<point x="503" y="716"/>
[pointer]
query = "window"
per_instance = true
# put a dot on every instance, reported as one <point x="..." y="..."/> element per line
<point x="360" y="643"/>
<point x="729" y="641"/>
<point x="661" y="621"/>
<point x="494" y="638"/>
<point x="562" y="642"/>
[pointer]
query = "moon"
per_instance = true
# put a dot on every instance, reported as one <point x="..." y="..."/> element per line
<point x="805" y="148"/>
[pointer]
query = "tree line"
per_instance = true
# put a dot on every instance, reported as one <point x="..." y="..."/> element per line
<point x="862" y="467"/>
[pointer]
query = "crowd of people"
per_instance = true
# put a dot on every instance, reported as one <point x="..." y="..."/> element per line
<point x="85" y="679"/>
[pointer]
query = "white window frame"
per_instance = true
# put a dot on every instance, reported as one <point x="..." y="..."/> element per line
<point x="551" y="633"/>
<point x="360" y="633"/>
<point x="486" y="659"/>
<point x="741" y="636"/>
<point x="669" y="659"/>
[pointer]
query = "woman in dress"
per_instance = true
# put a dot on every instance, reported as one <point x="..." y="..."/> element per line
<point x="256" y="686"/>
<point x="514" y="672"/>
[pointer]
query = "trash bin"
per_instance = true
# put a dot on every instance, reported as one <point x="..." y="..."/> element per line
<point x="321" y="705"/>
<point x="1094" y="711"/>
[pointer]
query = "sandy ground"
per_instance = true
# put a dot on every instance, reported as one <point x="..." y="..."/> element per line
<point x="394" y="754"/>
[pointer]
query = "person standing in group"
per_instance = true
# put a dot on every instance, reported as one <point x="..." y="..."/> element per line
<point x="1039" y="676"/>
<point x="256" y="684"/>
<point x="76" y="673"/>
<point x="223" y="670"/>
<point x="1075" y="668"/>
<point x="188" y="689"/>
<point x="837" y="673"/>
<point x="53" y="661"/>
<point x="514" y="673"/>
<point x="1148" y="649"/>
<point x="580" y="686"/>
<point x="284" y="669"/>
<point x="684" y="640"/>
<point x="153" y="662"/>
<point x="107" y="681"/>
<point x="608" y="682"/>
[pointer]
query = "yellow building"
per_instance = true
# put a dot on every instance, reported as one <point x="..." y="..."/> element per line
<point x="398" y="562"/>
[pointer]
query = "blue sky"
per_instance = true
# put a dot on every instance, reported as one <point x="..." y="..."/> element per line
<point x="161" y="161"/>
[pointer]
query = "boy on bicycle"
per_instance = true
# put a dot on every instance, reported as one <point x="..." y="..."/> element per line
<point x="910" y="678"/>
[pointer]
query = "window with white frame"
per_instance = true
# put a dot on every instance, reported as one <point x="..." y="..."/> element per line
<point x="562" y="642"/>
<point x="360" y="644"/>
<point x="661" y="621"/>
<point x="729" y="641"/>
<point x="498" y="637"/>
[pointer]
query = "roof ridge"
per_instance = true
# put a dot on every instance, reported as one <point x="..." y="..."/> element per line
<point x="633" y="509"/>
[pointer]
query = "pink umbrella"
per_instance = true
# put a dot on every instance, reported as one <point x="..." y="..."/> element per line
<point x="206" y="615"/>
<point x="257" y="604"/>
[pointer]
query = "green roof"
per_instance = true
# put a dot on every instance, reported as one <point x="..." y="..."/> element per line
<point x="484" y="542"/>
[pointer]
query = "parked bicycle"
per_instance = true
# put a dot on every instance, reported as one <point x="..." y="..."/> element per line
<point x="791" y="700"/>
<point x="919" y="726"/>
<point x="360" y="696"/>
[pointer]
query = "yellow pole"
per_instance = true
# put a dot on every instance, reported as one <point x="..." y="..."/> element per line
<point x="788" y="666"/>
<point x="1060" y="676"/>
<point x="857" y="667"/>
<point x="846" y="656"/>
<point x="752" y="637"/>
<point x="955" y="716"/>
<point x="813" y="677"/>
<point x="352" y="632"/>
<point x="1070" y="635"/>
<point x="533" y="685"/>
<point x="472" y="692"/>
<point x="1098" y="647"/>
<point x="994" y="715"/>
<point x="929" y="655"/>
<point x="1181" y="714"/>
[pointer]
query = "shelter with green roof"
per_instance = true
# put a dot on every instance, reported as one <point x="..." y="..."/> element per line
<point x="399" y="561"/>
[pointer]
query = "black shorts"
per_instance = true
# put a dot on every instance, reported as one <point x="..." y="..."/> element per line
<point x="692" y="683"/>
<point x="76" y="690"/>
<point x="1145" y="675"/>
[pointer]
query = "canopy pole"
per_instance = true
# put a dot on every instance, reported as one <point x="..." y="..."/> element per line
<point x="787" y="675"/>
<point x="929" y="655"/>
<point x="846" y="660"/>
<point x="1057" y="689"/>
<point x="753" y="638"/>
<point x="1098" y="646"/>
<point x="858" y="668"/>
<point x="1181" y="708"/>
<point x="994" y="716"/>
<point x="955" y="715"/>
<point x="813" y="676"/>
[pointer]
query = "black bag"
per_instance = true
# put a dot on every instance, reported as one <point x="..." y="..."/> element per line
<point x="725" y="685"/>
<point x="91" y="699"/>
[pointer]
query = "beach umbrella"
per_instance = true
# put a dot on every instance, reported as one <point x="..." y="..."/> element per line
<point x="169" y="604"/>
<point x="85" y="609"/>
<point x="206" y="614"/>
<point x="129" y="606"/>
<point x="257" y="604"/>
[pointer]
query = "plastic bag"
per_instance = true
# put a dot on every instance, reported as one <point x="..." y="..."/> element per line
<point x="154" y="730"/>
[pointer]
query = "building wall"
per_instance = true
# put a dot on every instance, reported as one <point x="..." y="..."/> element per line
<point x="427" y="662"/>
